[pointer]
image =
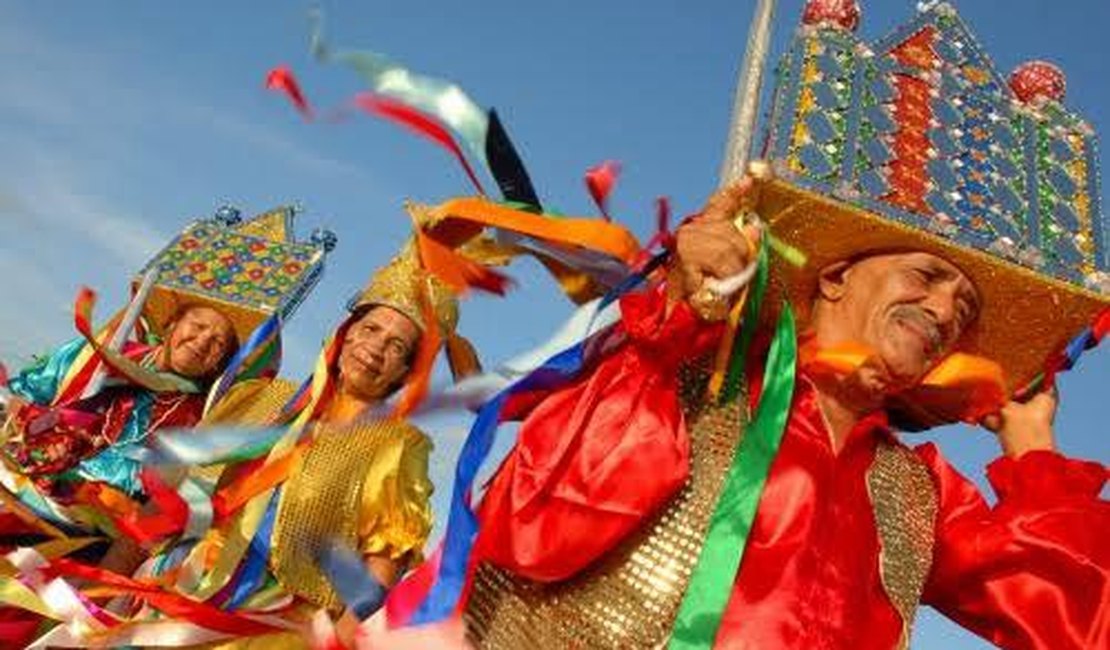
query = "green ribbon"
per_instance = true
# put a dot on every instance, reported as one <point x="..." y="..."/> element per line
<point x="699" y="615"/>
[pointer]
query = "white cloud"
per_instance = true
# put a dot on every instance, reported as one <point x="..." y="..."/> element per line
<point x="52" y="196"/>
<point x="268" y="141"/>
<point x="33" y="310"/>
<point x="74" y="124"/>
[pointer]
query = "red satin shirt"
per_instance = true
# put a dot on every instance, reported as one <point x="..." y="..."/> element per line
<point x="597" y="457"/>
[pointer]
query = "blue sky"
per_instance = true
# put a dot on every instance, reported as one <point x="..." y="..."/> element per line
<point x="122" y="121"/>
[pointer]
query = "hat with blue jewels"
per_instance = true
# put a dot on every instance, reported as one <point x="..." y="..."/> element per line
<point x="916" y="142"/>
<point x="248" y="269"/>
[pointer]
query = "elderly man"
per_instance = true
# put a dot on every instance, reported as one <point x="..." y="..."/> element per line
<point x="202" y="296"/>
<point x="86" y="439"/>
<point x="641" y="507"/>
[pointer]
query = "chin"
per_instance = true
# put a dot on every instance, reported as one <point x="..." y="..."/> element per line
<point x="905" y="363"/>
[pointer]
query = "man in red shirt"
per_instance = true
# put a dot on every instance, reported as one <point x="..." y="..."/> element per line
<point x="632" y="511"/>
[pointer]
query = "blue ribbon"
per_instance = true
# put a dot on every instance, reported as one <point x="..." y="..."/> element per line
<point x="360" y="590"/>
<point x="462" y="523"/>
<point x="252" y="572"/>
<point x="260" y="338"/>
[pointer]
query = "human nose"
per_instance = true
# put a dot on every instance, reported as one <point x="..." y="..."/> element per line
<point x="941" y="304"/>
<point x="374" y="345"/>
<point x="207" y="342"/>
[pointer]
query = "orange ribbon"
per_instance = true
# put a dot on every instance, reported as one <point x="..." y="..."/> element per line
<point x="591" y="234"/>
<point x="962" y="387"/>
<point x="235" y="495"/>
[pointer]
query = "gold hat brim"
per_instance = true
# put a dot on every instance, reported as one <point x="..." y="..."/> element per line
<point x="1024" y="317"/>
<point x="164" y="303"/>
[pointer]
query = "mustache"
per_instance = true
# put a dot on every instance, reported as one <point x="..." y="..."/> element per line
<point x="924" y="321"/>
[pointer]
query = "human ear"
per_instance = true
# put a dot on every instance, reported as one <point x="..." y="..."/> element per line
<point x="833" y="279"/>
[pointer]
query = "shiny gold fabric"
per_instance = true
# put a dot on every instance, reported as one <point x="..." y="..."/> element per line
<point x="904" y="499"/>
<point x="398" y="285"/>
<point x="365" y="486"/>
<point x="254" y="402"/>
<point x="630" y="599"/>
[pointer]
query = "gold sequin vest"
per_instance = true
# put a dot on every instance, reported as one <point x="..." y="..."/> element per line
<point x="320" y="504"/>
<point x="629" y="599"/>
<point x="320" y="499"/>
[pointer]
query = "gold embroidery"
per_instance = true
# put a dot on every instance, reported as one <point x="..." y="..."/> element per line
<point x="630" y="598"/>
<point x="904" y="500"/>
<point x="320" y="502"/>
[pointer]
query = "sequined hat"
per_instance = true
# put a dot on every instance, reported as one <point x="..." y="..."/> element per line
<point x="247" y="270"/>
<point x="400" y="285"/>
<point x="408" y="286"/>
<point x="916" y="142"/>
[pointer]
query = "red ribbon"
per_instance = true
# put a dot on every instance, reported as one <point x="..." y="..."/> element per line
<point x="170" y="517"/>
<point x="600" y="180"/>
<point x="1101" y="326"/>
<point x="663" y="236"/>
<point x="282" y="80"/>
<point x="457" y="271"/>
<point x="419" y="123"/>
<point x="173" y="605"/>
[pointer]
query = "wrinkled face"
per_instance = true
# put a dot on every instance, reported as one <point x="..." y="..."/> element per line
<point x="911" y="308"/>
<point x="376" y="353"/>
<point x="199" y="342"/>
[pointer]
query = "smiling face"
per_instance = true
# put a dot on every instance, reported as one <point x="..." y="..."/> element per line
<point x="910" y="308"/>
<point x="199" y="342"/>
<point x="376" y="352"/>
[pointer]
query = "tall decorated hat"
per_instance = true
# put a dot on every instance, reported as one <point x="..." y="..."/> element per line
<point x="247" y="269"/>
<point x="917" y="142"/>
<point x="411" y="286"/>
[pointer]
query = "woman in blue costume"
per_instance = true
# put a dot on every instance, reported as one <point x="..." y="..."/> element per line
<point x="91" y="438"/>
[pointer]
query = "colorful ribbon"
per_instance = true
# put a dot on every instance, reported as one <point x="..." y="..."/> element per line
<point x="1066" y="358"/>
<point x="150" y="379"/>
<point x="590" y="234"/>
<point x="259" y="357"/>
<point x="507" y="167"/>
<point x="418" y="123"/>
<point x="360" y="591"/>
<point x="440" y="98"/>
<point x="462" y="523"/>
<point x="710" y="586"/>
<point x="730" y="375"/>
<point x="600" y="180"/>
<point x="123" y="328"/>
<point x="282" y="80"/>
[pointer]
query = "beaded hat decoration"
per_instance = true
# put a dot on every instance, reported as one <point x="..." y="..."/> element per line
<point x="916" y="142"/>
<point x="246" y="269"/>
<point x="398" y="285"/>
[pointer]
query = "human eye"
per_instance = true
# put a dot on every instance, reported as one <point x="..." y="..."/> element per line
<point x="920" y="274"/>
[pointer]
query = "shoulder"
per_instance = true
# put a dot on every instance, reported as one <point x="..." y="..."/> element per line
<point x="255" y="401"/>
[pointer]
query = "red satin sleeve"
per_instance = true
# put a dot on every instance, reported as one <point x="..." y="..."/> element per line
<point x="1034" y="570"/>
<point x="596" y="457"/>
